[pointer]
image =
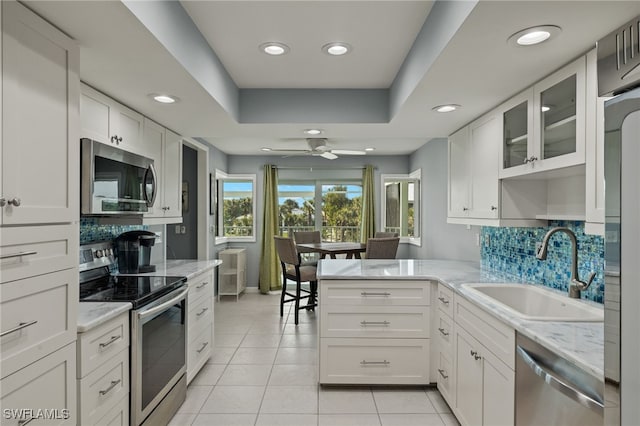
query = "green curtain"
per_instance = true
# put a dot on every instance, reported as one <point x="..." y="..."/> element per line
<point x="368" y="217"/>
<point x="269" y="263"/>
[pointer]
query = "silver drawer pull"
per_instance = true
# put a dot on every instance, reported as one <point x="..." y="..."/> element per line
<point x="443" y="331"/>
<point x="366" y="323"/>
<point x="22" y="253"/>
<point x="364" y="362"/>
<point x="18" y="327"/>
<point x="110" y="341"/>
<point x="384" y="294"/>
<point x="204" y="345"/>
<point x="201" y="285"/>
<point x="443" y="300"/>
<point x="113" y="384"/>
<point x="202" y="311"/>
<point x="25" y="421"/>
<point x="443" y="373"/>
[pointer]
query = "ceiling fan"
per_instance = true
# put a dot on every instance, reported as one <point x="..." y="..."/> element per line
<point x="318" y="147"/>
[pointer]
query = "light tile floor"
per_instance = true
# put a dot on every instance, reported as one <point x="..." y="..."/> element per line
<point x="263" y="373"/>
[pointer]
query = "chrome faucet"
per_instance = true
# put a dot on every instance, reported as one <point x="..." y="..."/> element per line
<point x="576" y="285"/>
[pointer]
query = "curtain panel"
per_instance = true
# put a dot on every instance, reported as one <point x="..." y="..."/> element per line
<point x="368" y="223"/>
<point x="269" y="263"/>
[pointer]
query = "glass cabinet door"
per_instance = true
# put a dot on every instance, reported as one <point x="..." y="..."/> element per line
<point x="515" y="138"/>
<point x="558" y="123"/>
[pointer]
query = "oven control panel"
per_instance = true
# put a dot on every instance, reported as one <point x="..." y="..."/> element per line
<point x="94" y="255"/>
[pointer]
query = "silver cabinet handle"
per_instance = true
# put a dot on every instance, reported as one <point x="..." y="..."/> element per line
<point x="113" y="384"/>
<point x="559" y="384"/>
<point x="494" y="208"/>
<point x="25" y="421"/>
<point x="18" y="327"/>
<point x="443" y="373"/>
<point x="22" y="253"/>
<point x="443" y="300"/>
<point x="201" y="285"/>
<point x="14" y="202"/>
<point x="204" y="345"/>
<point x="475" y="355"/>
<point x="366" y="323"/>
<point x="443" y="331"/>
<point x="368" y="293"/>
<point x="365" y="362"/>
<point x="465" y="209"/>
<point x="110" y="341"/>
<point x="202" y="311"/>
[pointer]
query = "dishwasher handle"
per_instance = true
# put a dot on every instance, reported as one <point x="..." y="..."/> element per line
<point x="558" y="383"/>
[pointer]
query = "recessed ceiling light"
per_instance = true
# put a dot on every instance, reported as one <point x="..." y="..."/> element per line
<point x="265" y="149"/>
<point x="534" y="35"/>
<point x="313" y="132"/>
<point x="446" y="108"/>
<point x="164" y="99"/>
<point x="336" y="48"/>
<point x="369" y="149"/>
<point x="274" y="48"/>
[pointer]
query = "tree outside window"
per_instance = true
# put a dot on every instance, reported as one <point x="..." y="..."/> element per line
<point x="236" y="207"/>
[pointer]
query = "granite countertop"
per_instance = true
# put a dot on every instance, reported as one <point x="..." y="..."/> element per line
<point x="582" y="343"/>
<point x="92" y="314"/>
<point x="183" y="268"/>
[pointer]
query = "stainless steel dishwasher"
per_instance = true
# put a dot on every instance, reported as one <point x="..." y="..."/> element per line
<point x="552" y="391"/>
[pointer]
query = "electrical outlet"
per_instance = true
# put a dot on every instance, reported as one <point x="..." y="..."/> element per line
<point x="611" y="237"/>
<point x="183" y="229"/>
<point x="177" y="229"/>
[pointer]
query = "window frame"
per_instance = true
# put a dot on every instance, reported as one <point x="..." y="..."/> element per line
<point x="416" y="177"/>
<point x="219" y="220"/>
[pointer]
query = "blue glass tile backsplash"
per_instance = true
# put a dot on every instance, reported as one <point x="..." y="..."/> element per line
<point x="512" y="251"/>
<point x="91" y="231"/>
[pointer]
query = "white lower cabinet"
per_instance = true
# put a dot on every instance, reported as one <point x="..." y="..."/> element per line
<point x="44" y="390"/>
<point x="199" y="322"/>
<point x="374" y="332"/>
<point x="103" y="373"/>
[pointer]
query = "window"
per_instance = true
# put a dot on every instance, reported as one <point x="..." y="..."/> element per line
<point x="340" y="203"/>
<point x="400" y="205"/>
<point x="236" y="207"/>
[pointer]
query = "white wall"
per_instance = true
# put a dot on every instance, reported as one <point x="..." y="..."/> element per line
<point x="440" y="240"/>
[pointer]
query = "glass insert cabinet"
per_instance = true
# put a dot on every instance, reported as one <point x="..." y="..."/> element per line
<point x="543" y="127"/>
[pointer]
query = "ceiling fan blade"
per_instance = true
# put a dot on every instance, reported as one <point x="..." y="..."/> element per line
<point x="348" y="152"/>
<point x="328" y="155"/>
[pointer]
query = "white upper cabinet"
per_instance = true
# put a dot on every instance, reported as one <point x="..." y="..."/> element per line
<point x="107" y="121"/>
<point x="459" y="158"/>
<point x="40" y="143"/>
<point x="553" y="135"/>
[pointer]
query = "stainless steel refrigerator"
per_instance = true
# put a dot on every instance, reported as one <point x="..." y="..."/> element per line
<point x="619" y="76"/>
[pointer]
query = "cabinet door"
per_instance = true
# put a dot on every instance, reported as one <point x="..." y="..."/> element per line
<point x="517" y="135"/>
<point x="40" y="142"/>
<point x="485" y="136"/>
<point x="468" y="376"/>
<point x="127" y="126"/>
<point x="559" y="117"/>
<point x="172" y="171"/>
<point x="94" y="115"/>
<point x="459" y="161"/>
<point x="153" y="143"/>
<point x="498" y="393"/>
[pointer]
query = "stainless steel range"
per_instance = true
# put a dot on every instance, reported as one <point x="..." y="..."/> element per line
<point x="158" y="331"/>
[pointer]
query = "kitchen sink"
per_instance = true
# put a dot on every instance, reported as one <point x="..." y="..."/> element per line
<point x="536" y="303"/>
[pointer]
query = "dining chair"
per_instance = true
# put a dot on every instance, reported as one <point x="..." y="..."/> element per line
<point x="381" y="234"/>
<point x="308" y="237"/>
<point x="293" y="270"/>
<point x="382" y="248"/>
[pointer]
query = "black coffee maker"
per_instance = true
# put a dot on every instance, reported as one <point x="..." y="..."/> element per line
<point x="133" y="250"/>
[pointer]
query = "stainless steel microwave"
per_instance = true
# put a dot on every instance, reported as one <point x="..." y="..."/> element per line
<point x="114" y="181"/>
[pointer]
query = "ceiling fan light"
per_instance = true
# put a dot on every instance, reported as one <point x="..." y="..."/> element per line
<point x="312" y="132"/>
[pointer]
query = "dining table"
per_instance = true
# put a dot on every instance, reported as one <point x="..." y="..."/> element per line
<point x="351" y="250"/>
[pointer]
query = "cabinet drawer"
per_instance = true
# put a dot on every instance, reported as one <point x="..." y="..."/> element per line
<point x="101" y="343"/>
<point x="445" y="378"/>
<point x="374" y="361"/>
<point x="200" y="286"/>
<point x="444" y="333"/>
<point x="200" y="315"/>
<point x="445" y="299"/>
<point x="38" y="316"/>
<point x="47" y="383"/>
<point x="374" y="293"/>
<point x="28" y="251"/>
<point x="118" y="415"/>
<point x="496" y="336"/>
<point x="103" y="388"/>
<point x="199" y="351"/>
<point x="377" y="321"/>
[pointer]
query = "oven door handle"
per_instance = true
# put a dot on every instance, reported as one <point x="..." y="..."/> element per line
<point x="152" y="311"/>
